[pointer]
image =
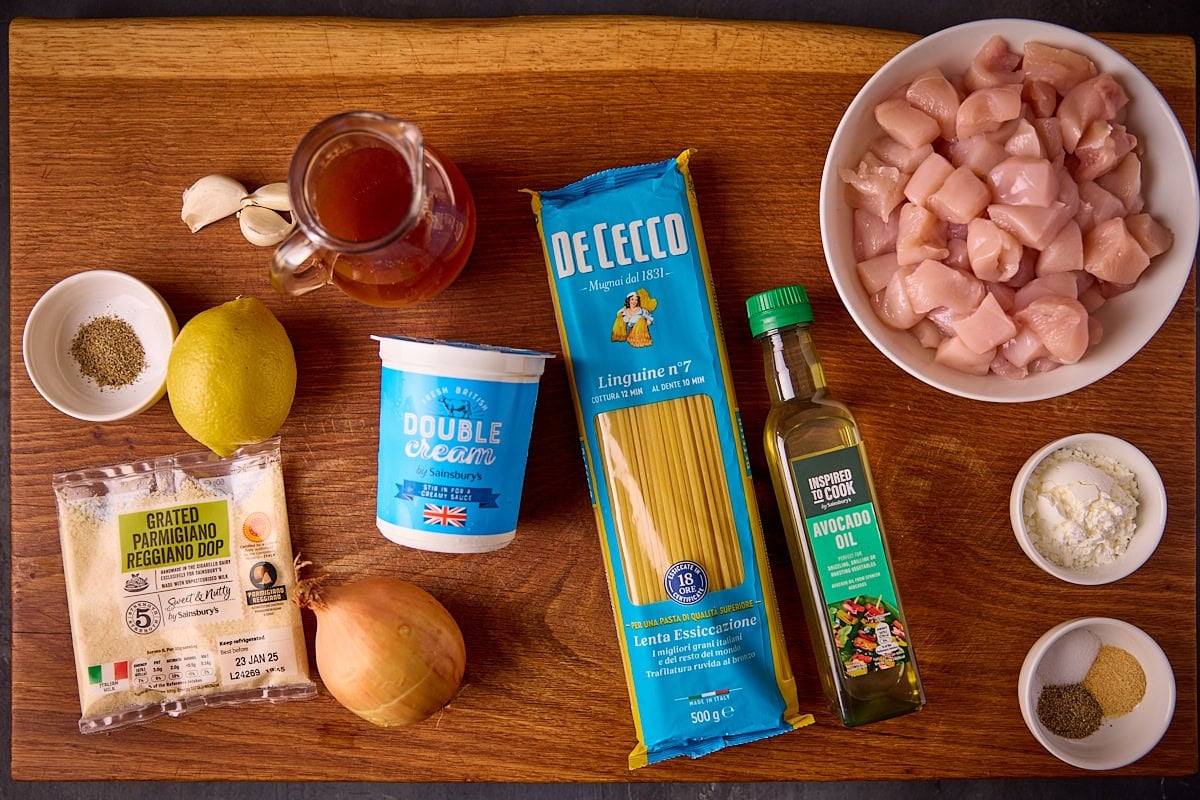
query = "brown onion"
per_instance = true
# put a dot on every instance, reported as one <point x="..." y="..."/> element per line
<point x="386" y="649"/>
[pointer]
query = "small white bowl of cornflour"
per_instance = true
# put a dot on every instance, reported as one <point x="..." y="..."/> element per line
<point x="1088" y="508"/>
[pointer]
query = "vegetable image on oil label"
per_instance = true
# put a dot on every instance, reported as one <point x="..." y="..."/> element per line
<point x="869" y="634"/>
<point x="847" y="546"/>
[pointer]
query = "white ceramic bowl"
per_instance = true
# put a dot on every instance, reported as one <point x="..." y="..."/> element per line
<point x="71" y="303"/>
<point x="1151" y="514"/>
<point x="1169" y="186"/>
<point x="1120" y="740"/>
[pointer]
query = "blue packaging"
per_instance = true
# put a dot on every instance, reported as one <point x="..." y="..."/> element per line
<point x="705" y="660"/>
<point x="455" y="421"/>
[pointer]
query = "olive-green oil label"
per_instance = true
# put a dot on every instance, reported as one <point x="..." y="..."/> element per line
<point x="167" y="537"/>
<point x="846" y="542"/>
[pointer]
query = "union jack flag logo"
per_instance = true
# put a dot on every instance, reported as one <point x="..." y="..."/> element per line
<point x="455" y="516"/>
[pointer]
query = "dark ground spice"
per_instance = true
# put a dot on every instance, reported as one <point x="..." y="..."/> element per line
<point x="108" y="351"/>
<point x="1069" y="711"/>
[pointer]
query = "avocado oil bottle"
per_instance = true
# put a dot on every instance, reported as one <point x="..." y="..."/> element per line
<point x="822" y="481"/>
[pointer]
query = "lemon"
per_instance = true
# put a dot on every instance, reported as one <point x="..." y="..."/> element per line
<point x="231" y="376"/>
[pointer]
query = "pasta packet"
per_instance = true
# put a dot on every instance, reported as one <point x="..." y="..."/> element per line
<point x="705" y="660"/>
<point x="179" y="572"/>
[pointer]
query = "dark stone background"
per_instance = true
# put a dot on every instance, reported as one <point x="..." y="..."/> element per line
<point x="915" y="16"/>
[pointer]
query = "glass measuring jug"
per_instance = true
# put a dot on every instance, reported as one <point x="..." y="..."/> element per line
<point x="380" y="214"/>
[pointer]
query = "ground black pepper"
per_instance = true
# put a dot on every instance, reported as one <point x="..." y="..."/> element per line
<point x="1069" y="711"/>
<point x="108" y="351"/>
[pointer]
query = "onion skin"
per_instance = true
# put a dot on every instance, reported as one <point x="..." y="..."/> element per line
<point x="386" y="649"/>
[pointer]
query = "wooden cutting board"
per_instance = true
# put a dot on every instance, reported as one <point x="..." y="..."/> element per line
<point x="111" y="120"/>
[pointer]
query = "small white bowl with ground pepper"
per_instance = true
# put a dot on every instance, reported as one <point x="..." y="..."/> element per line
<point x="1098" y="693"/>
<point x="96" y="345"/>
<point x="1088" y="508"/>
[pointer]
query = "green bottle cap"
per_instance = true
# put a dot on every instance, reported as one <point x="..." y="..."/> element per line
<point x="778" y="308"/>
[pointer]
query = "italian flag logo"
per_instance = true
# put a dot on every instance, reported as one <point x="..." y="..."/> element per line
<point x="107" y="678"/>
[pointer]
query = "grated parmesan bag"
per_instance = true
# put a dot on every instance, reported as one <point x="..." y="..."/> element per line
<point x="178" y="574"/>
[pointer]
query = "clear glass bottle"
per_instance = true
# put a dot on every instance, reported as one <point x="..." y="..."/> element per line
<point x="822" y="481"/>
<point x="380" y="213"/>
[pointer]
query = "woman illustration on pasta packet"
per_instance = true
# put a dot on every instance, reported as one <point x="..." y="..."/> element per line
<point x="634" y="319"/>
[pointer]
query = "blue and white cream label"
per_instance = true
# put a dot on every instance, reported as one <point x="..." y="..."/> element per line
<point x="452" y="452"/>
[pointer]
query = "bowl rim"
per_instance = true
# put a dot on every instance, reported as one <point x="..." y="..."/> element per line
<point x="1160" y="664"/>
<point x="1170" y="134"/>
<point x="1152" y="498"/>
<point x="137" y="402"/>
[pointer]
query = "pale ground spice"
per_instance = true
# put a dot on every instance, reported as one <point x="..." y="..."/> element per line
<point x="1116" y="680"/>
<point x="109" y="351"/>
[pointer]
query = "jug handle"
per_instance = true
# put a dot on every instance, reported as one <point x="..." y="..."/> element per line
<point x="298" y="266"/>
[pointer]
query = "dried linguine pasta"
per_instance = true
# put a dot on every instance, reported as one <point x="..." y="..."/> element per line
<point x="705" y="659"/>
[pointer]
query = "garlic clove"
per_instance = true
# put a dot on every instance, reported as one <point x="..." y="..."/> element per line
<point x="262" y="226"/>
<point x="273" y="195"/>
<point x="209" y="199"/>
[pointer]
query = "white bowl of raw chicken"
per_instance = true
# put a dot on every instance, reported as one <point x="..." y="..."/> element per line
<point x="1169" y="188"/>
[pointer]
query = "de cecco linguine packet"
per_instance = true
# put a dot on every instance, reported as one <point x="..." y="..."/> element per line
<point x="695" y="609"/>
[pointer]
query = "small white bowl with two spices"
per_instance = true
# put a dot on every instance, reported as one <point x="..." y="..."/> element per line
<point x="1090" y="509"/>
<point x="1098" y="693"/>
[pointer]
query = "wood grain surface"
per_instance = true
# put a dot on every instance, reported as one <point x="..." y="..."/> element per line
<point x="111" y="120"/>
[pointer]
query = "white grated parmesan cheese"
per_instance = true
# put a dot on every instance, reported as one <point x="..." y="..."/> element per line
<point x="1080" y="508"/>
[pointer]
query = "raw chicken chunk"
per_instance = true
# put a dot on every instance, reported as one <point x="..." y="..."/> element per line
<point x="1098" y="98"/>
<point x="1032" y="226"/>
<point x="875" y="273"/>
<point x="927" y="179"/>
<point x="1111" y="253"/>
<point x="1049" y="130"/>
<point x="935" y="96"/>
<point x="872" y="235"/>
<point x="961" y="198"/>
<point x="933" y="284"/>
<point x="1096" y="205"/>
<point x="893" y="305"/>
<point x="993" y="65"/>
<point x="877" y="189"/>
<point x="1040" y="96"/>
<point x="995" y="255"/>
<point x="978" y="154"/>
<point x="1023" y="348"/>
<point x="959" y="257"/>
<point x="1061" y="324"/>
<point x="985" y="110"/>
<point x="1061" y="68"/>
<point x="953" y="352"/>
<point x="903" y="158"/>
<point x="907" y="125"/>
<point x="1056" y="284"/>
<point x="1064" y="253"/>
<point x="921" y="235"/>
<point x="1100" y="148"/>
<point x="986" y="328"/>
<point x="1024" y="181"/>
<point x="1125" y="183"/>
<point x="927" y="334"/>
<point x="1025" y="141"/>
<point x="1154" y="238"/>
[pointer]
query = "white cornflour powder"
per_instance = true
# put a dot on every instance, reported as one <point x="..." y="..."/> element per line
<point x="179" y="573"/>
<point x="1080" y="508"/>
